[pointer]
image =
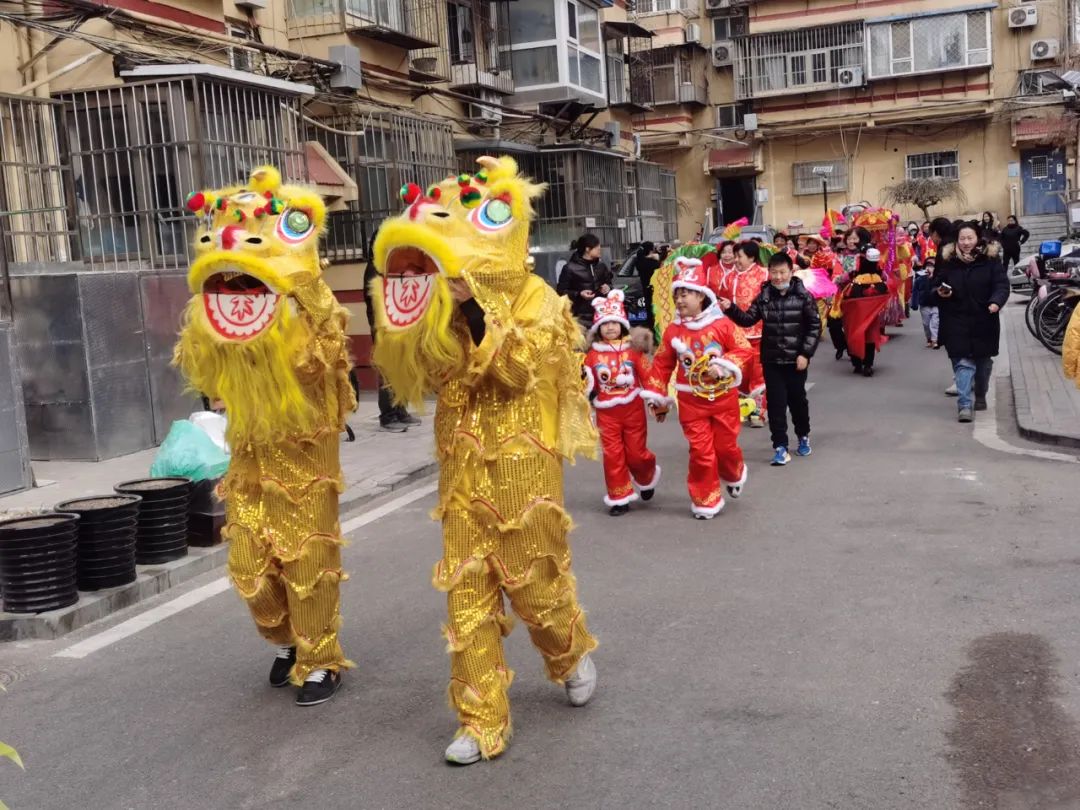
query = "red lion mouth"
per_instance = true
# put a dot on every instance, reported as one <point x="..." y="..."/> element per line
<point x="408" y="285"/>
<point x="238" y="306"/>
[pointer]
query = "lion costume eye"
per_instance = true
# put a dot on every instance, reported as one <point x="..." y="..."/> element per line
<point x="294" y="226"/>
<point x="493" y="215"/>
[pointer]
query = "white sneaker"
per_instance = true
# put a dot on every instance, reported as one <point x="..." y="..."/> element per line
<point x="951" y="391"/>
<point x="464" y="750"/>
<point x="581" y="685"/>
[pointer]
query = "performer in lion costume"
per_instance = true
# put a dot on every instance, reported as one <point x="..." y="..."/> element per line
<point x="460" y="314"/>
<point x="264" y="334"/>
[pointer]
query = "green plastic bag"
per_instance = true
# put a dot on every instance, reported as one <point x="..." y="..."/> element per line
<point x="189" y="452"/>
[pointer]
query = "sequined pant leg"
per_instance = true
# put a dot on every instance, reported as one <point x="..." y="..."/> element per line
<point x="257" y="578"/>
<point x="547" y="604"/>
<point x="314" y="607"/>
<point x="479" y="677"/>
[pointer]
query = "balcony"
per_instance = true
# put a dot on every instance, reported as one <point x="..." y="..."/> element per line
<point x="474" y="49"/>
<point x="803" y="61"/>
<point x="409" y="24"/>
<point x="690" y="9"/>
<point x="678" y="77"/>
<point x="629" y="66"/>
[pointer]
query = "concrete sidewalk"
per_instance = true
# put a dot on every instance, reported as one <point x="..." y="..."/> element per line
<point x="1047" y="404"/>
<point x="375" y="464"/>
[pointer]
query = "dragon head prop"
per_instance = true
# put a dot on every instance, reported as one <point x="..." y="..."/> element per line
<point x="471" y="227"/>
<point x="254" y="327"/>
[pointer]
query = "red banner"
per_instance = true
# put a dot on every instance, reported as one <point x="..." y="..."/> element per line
<point x="862" y="323"/>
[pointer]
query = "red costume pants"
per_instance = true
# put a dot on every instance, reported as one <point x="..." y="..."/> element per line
<point x="627" y="459"/>
<point x="712" y="429"/>
<point x="753" y="384"/>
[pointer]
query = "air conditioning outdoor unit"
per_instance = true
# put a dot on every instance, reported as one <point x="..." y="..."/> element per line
<point x="692" y="34"/>
<point x="723" y="53"/>
<point x="1045" y="49"/>
<point x="717" y="5"/>
<point x="749" y="122"/>
<point x="1023" y="17"/>
<point x="614" y="131"/>
<point x="850" y="77"/>
<point x="350" y="74"/>
<point x="482" y="111"/>
<point x="251" y="5"/>
<point x="637" y="146"/>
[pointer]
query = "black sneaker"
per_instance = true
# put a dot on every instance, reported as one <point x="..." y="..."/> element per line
<point x="646" y="494"/>
<point x="622" y="509"/>
<point x="393" y="427"/>
<point x="980" y="403"/>
<point x="283" y="664"/>
<point x="319" y="687"/>
<point x="406" y="418"/>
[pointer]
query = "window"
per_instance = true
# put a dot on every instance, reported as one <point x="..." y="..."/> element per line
<point x="540" y="42"/>
<point x="1040" y="167"/>
<point x="927" y="44"/>
<point x="728" y="28"/>
<point x="933" y="164"/>
<point x="730" y="116"/>
<point x="532" y="21"/>
<point x="663" y="6"/>
<point x="796" y="61"/>
<point x="571" y="20"/>
<point x="618" y="93"/>
<point x="807" y="176"/>
<point x="459" y="22"/>
<point x="241" y="58"/>
<point x="536" y="66"/>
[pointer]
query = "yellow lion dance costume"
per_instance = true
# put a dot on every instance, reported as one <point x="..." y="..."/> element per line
<point x="264" y="334"/>
<point x="510" y="409"/>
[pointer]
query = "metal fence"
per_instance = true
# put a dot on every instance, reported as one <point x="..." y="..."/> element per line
<point x="33" y="182"/>
<point x="138" y="149"/>
<point x="406" y="23"/>
<point x="669" y="205"/>
<point x="396" y="148"/>
<point x="799" y="61"/>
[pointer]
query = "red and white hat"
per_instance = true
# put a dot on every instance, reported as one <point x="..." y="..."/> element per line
<point x="609" y="309"/>
<point x="690" y="274"/>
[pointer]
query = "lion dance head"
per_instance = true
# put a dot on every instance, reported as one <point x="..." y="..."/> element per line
<point x="262" y="330"/>
<point x="473" y="227"/>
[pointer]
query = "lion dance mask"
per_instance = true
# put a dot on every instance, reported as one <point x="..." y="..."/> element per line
<point x="510" y="409"/>
<point x="264" y="334"/>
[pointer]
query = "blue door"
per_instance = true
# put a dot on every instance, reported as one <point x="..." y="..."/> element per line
<point x="1043" y="174"/>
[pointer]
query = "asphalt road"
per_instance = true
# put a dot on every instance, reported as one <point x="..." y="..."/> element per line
<point x="890" y="623"/>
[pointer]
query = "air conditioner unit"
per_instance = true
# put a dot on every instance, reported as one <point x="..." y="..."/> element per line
<point x="350" y="75"/>
<point x="1023" y="17"/>
<point x="850" y="77"/>
<point x="251" y="5"/>
<point x="637" y="146"/>
<point x="1045" y="49"/>
<point x="717" y="5"/>
<point x="482" y="111"/>
<point x="749" y="122"/>
<point x="723" y="53"/>
<point x="692" y="34"/>
<point x="614" y="131"/>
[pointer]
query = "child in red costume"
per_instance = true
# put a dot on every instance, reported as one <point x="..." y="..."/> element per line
<point x="742" y="286"/>
<point x="708" y="353"/>
<point x="614" y="371"/>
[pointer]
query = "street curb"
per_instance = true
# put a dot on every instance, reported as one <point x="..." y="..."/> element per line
<point x="156" y="579"/>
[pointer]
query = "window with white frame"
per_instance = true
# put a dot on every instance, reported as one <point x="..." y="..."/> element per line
<point x="659" y="6"/>
<point x="556" y="42"/>
<point x="933" y="164"/>
<point x="728" y="27"/>
<point x="618" y="91"/>
<point x="929" y="44"/>
<point x="730" y="116"/>
<point x="583" y="46"/>
<point x="807" y="177"/>
<point x="796" y="61"/>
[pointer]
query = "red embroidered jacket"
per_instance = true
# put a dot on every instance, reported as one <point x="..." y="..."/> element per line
<point x="615" y="371"/>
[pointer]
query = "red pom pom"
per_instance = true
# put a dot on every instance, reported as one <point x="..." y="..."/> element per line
<point x="268" y="194"/>
<point x="196" y="200"/>
<point x="410" y="193"/>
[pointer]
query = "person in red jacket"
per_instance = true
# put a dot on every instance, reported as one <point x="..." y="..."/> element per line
<point x="614" y="372"/>
<point x="742" y="286"/>
<point x="709" y="355"/>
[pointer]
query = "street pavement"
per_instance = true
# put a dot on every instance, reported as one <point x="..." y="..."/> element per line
<point x="890" y="623"/>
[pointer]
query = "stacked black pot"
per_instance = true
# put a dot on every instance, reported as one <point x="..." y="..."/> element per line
<point x="37" y="563"/>
<point x="163" y="518"/>
<point x="106" y="539"/>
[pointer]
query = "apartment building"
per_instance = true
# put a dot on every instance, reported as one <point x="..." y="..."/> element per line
<point x="848" y="98"/>
<point x="112" y="110"/>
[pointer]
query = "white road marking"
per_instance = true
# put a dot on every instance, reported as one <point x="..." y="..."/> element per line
<point x="151" y="617"/>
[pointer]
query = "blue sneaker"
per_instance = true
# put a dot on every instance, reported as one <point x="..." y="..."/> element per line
<point x="804" y="446"/>
<point x="781" y="457"/>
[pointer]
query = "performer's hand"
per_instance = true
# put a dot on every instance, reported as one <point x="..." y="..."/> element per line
<point x="587" y="294"/>
<point x="459" y="290"/>
<point x="659" y="415"/>
<point x="802" y="363"/>
<point x="713" y="373"/>
<point x="944" y="293"/>
<point x="725" y="304"/>
<point x="994" y="309"/>
<point x="605" y="289"/>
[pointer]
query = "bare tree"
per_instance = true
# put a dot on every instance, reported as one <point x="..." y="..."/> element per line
<point x="923" y="193"/>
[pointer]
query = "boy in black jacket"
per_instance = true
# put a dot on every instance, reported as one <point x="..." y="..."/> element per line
<point x="790" y="333"/>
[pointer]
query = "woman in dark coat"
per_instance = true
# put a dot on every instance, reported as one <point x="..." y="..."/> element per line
<point x="1012" y="237"/>
<point x="970" y="287"/>
<point x="584" y="277"/>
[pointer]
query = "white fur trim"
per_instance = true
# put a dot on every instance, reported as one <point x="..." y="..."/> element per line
<point x="727" y="364"/>
<point x="590" y="383"/>
<point x="623" y="400"/>
<point x="701" y="288"/>
<point x="652" y="484"/>
<point x="708" y="511"/>
<point x="624" y="379"/>
<point x="742" y="478"/>
<point x="653" y="398"/>
<point x="614" y="295"/>
<point x="707" y="317"/>
<point x="608" y="501"/>
<point x="610" y="345"/>
<point x="595" y="330"/>
<point x="678" y="345"/>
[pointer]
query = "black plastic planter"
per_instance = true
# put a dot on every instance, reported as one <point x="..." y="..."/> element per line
<point x="37" y="562"/>
<point x="106" y="547"/>
<point x="162" y="534"/>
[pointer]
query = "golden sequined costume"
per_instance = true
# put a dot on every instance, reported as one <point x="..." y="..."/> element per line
<point x="264" y="334"/>
<point x="510" y="409"/>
